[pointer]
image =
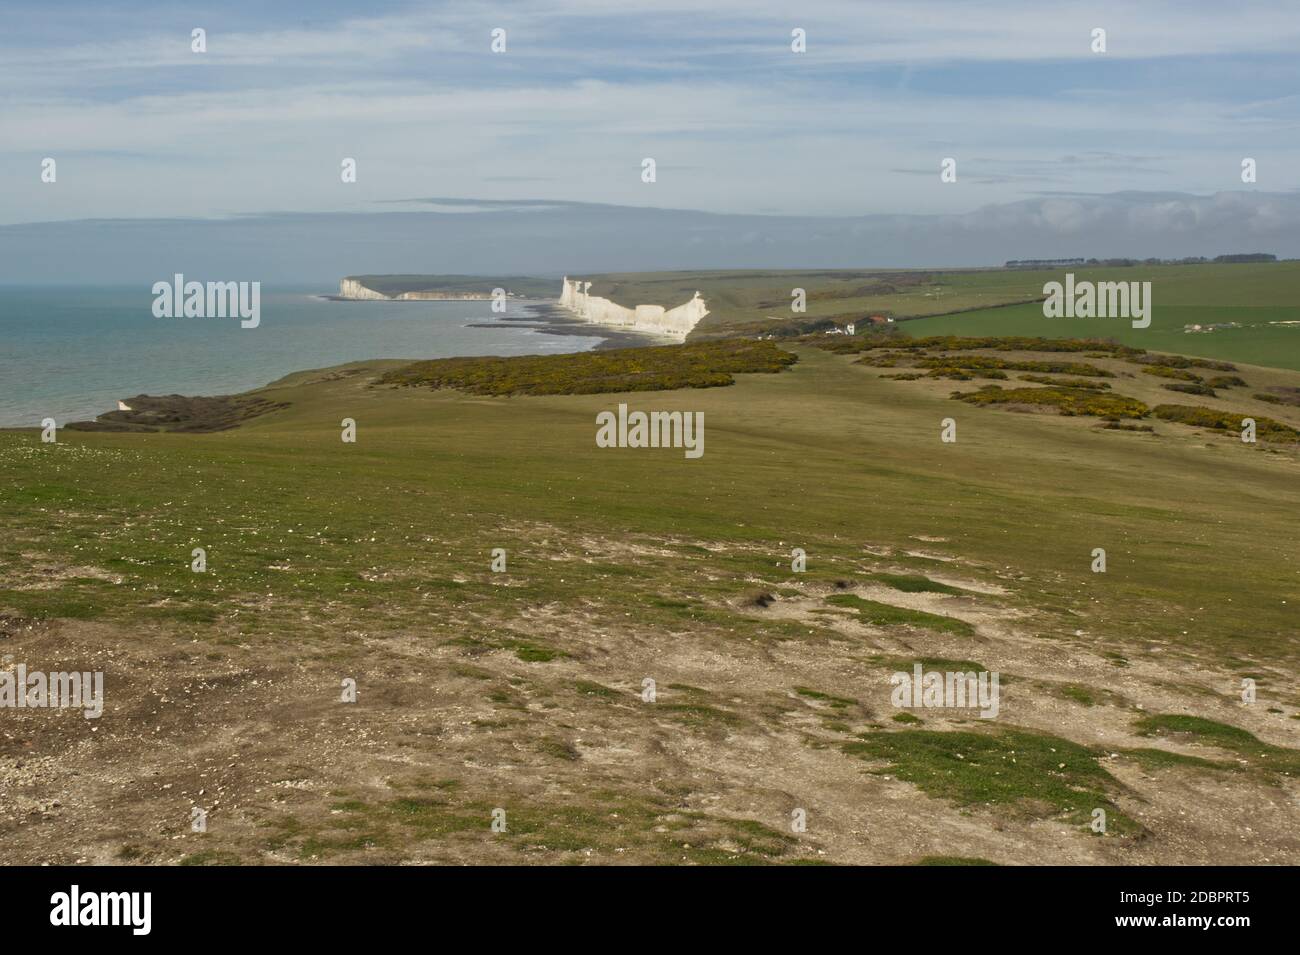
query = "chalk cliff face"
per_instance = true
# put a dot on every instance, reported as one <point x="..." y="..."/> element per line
<point x="576" y="297"/>
<point x="352" y="289"/>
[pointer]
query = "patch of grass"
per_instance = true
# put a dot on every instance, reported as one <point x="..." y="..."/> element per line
<point x="1163" y="759"/>
<point x="916" y="584"/>
<point x="559" y="749"/>
<point x="534" y="652"/>
<point x="211" y="857"/>
<point x="706" y="364"/>
<point x="885" y="615"/>
<point x="1039" y="774"/>
<point x="1079" y="694"/>
<point x="529" y="651"/>
<point x="952" y="860"/>
<point x="599" y="690"/>
<point x="929" y="663"/>
<point x="1233" y="739"/>
<point x="835" y="702"/>
<point x="699" y="714"/>
<point x="906" y="719"/>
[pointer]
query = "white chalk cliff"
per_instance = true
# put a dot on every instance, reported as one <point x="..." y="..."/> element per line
<point x="353" y="290"/>
<point x="576" y="297"/>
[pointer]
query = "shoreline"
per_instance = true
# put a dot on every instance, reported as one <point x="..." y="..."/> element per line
<point x="548" y="318"/>
<point x="542" y="317"/>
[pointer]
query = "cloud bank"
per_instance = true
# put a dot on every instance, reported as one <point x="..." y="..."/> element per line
<point x="547" y="237"/>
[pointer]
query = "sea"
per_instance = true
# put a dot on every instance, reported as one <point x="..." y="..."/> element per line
<point x="70" y="353"/>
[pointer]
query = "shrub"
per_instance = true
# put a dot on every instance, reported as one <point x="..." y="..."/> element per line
<point x="1182" y="361"/>
<point x="1066" y="382"/>
<point x="1164" y="371"/>
<point x="697" y="365"/>
<point x="1199" y="417"/>
<point x="1192" y="388"/>
<point x="1226" y="381"/>
<point x="1281" y="395"/>
<point x="971" y="362"/>
<point x="965" y="374"/>
<point x="1066" y="401"/>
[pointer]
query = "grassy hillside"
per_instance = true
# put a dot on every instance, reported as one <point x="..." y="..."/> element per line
<point x="523" y="690"/>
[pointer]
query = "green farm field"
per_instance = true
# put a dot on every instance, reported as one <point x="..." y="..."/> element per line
<point x="1261" y="339"/>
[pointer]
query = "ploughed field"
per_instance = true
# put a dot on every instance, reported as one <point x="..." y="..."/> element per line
<point x="525" y="690"/>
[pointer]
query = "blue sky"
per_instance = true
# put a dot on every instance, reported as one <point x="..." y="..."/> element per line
<point x="142" y="127"/>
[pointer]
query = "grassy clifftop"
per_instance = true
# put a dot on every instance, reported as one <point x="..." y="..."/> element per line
<point x="523" y="286"/>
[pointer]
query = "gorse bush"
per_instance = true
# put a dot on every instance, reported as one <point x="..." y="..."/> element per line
<point x="1066" y="401"/>
<point x="1182" y="361"/>
<point x="1226" y="381"/>
<point x="1165" y="371"/>
<point x="965" y="374"/>
<point x="1067" y="382"/>
<point x="970" y="362"/>
<point x="1266" y="429"/>
<point x="708" y="364"/>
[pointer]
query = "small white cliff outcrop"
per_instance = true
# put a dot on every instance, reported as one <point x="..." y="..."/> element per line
<point x="351" y="288"/>
<point x="576" y="296"/>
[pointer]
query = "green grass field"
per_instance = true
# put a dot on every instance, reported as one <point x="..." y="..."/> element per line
<point x="1256" y="341"/>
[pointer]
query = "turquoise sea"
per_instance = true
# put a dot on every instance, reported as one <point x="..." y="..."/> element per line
<point x="71" y="353"/>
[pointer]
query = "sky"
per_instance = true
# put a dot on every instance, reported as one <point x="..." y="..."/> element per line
<point x="141" y="126"/>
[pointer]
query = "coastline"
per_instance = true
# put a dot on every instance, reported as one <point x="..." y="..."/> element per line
<point x="300" y="329"/>
<point x="548" y="318"/>
<point x="212" y="400"/>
